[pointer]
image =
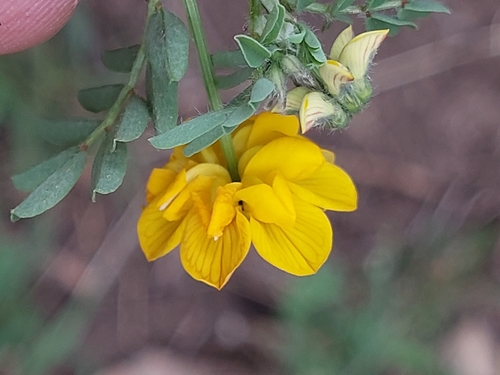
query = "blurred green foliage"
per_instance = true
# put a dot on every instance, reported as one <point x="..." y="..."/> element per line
<point x="389" y="317"/>
<point x="31" y="341"/>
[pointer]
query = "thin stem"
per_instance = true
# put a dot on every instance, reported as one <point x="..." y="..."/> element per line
<point x="125" y="93"/>
<point x="209" y="80"/>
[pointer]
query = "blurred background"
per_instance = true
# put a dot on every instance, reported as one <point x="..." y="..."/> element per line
<point x="412" y="286"/>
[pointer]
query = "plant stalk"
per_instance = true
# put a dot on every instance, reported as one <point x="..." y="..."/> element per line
<point x="206" y="66"/>
<point x="127" y="90"/>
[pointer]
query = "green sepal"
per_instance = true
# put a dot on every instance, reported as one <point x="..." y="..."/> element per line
<point x="167" y="45"/>
<point x="255" y="54"/>
<point x="54" y="188"/>
<point x="134" y="120"/>
<point x="98" y="99"/>
<point x="228" y="59"/>
<point x="232" y="80"/>
<point x="120" y="60"/>
<point x="163" y="99"/>
<point x="110" y="166"/>
<point x="67" y="132"/>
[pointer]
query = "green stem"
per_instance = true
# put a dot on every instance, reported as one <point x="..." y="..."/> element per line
<point x="125" y="93"/>
<point x="209" y="80"/>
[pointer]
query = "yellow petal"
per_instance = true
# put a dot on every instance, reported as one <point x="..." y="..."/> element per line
<point x="282" y="191"/>
<point x="157" y="236"/>
<point x="173" y="190"/>
<point x="294" y="158"/>
<point x="335" y="76"/>
<point x="269" y="126"/>
<point x="261" y="202"/>
<point x="224" y="209"/>
<point x="245" y="159"/>
<point x="184" y="177"/>
<point x="202" y="202"/>
<point x="329" y="187"/>
<point x="338" y="45"/>
<point x="158" y="181"/>
<point x="182" y="203"/>
<point x="300" y="250"/>
<point x="213" y="262"/>
<point x="359" y="52"/>
<point x="240" y="140"/>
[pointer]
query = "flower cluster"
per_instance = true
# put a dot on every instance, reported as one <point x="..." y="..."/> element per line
<point x="345" y="79"/>
<point x="287" y="182"/>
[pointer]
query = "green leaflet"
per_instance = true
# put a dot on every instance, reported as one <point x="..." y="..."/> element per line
<point x="239" y="115"/>
<point x="134" y="120"/>
<point x="67" y="132"/>
<point x="302" y="4"/>
<point x="392" y="20"/>
<point x="54" y="188"/>
<point x="274" y="24"/>
<point x="162" y="100"/>
<point x="311" y="39"/>
<point x="260" y="91"/>
<point x="167" y="45"/>
<point x="32" y="178"/>
<point x="426" y="6"/>
<point x="195" y="128"/>
<point x="380" y="21"/>
<point x="371" y="4"/>
<point x="232" y="80"/>
<point x="255" y="54"/>
<point x="228" y="59"/>
<point x="120" y="60"/>
<point x="110" y="165"/>
<point x="341" y="5"/>
<point x="98" y="99"/>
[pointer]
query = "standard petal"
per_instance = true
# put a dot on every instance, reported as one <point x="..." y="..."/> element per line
<point x="338" y="45"/>
<point x="214" y="261"/>
<point x="157" y="236"/>
<point x="329" y="187"/>
<point x="294" y="158"/>
<point x="269" y="126"/>
<point x="359" y="52"/>
<point x="300" y="250"/>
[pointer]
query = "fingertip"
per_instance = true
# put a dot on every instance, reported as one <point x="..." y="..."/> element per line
<point x="26" y="23"/>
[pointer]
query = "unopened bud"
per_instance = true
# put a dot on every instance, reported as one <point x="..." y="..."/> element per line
<point x="278" y="97"/>
<point x="317" y="110"/>
<point x="299" y="74"/>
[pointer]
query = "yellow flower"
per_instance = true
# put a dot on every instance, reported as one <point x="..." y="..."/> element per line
<point x="286" y="183"/>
